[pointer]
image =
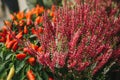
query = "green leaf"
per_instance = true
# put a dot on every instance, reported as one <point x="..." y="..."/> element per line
<point x="45" y="76"/>
<point x="22" y="76"/>
<point x="8" y="56"/>
<point x="1" y="55"/>
<point x="19" y="65"/>
<point x="33" y="36"/>
<point x="0" y="59"/>
<point x="38" y="76"/>
<point x="38" y="67"/>
<point x="2" y="66"/>
<point x="28" y="68"/>
<point x="1" y="45"/>
<point x="3" y="75"/>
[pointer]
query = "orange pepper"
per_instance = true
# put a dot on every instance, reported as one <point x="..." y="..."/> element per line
<point x="51" y="14"/>
<point x="38" y="20"/>
<point x="38" y="10"/>
<point x="35" y="47"/>
<point x="7" y="23"/>
<point x="41" y="9"/>
<point x="28" y="15"/>
<point x="20" y="15"/>
<point x="4" y="29"/>
<point x="12" y="17"/>
<point x="25" y="30"/>
<point x="54" y="19"/>
<point x="19" y="35"/>
<point x="21" y="23"/>
<point x="40" y="49"/>
<point x="30" y="75"/>
<point x="7" y="39"/>
<point x="31" y="61"/>
<point x="15" y="22"/>
<point x="53" y="8"/>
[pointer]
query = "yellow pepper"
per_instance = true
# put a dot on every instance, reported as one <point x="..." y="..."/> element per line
<point x="11" y="73"/>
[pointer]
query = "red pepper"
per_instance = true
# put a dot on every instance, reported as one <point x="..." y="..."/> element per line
<point x="20" y="56"/>
<point x="40" y="49"/>
<point x="4" y="29"/>
<point x="7" y="39"/>
<point x="8" y="23"/>
<point x="9" y="45"/>
<point x="50" y="78"/>
<point x="30" y="75"/>
<point x="15" y="46"/>
<point x="40" y="30"/>
<point x="29" y="22"/>
<point x="25" y="30"/>
<point x="12" y="17"/>
<point x="31" y="61"/>
<point x="53" y="8"/>
<point x="52" y="14"/>
<point x="2" y="34"/>
<point x="19" y="35"/>
<point x="38" y="20"/>
<point x="35" y="47"/>
<point x="2" y="39"/>
<point x="26" y="50"/>
<point x="21" y="23"/>
<point x="33" y="30"/>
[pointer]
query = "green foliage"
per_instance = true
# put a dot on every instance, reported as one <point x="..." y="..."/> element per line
<point x="8" y="57"/>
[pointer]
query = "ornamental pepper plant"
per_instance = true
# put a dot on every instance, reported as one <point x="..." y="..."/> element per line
<point x="16" y="60"/>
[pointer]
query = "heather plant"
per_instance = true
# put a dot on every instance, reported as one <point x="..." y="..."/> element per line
<point x="79" y="43"/>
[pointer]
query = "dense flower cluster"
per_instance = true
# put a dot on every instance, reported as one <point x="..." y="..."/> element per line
<point x="79" y="38"/>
